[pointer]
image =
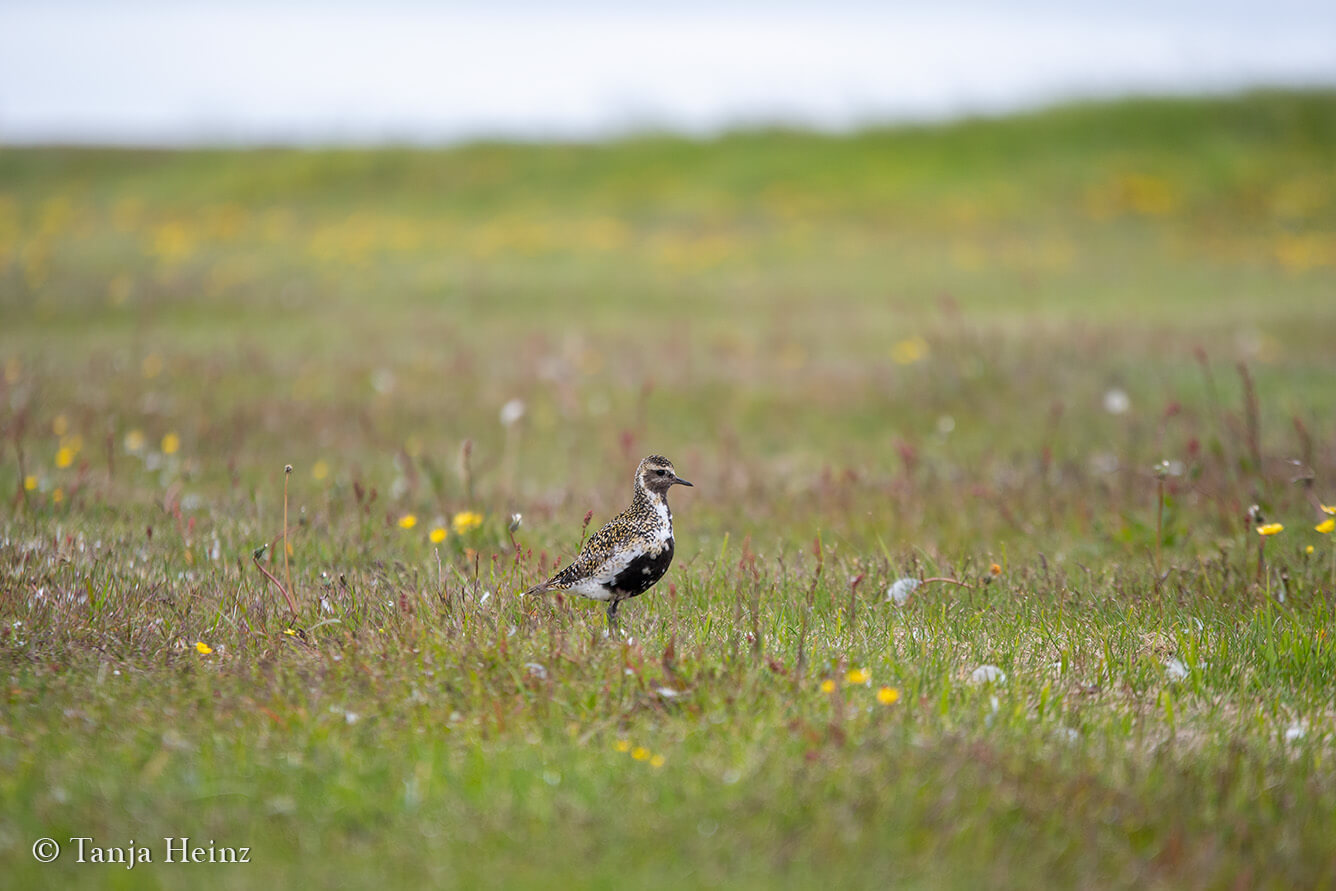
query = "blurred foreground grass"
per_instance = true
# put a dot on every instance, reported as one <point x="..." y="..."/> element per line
<point x="956" y="350"/>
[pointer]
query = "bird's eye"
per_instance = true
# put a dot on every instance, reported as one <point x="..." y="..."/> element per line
<point x="661" y="472"/>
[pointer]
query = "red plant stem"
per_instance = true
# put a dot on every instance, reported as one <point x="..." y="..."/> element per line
<point x="292" y="604"/>
<point x="952" y="581"/>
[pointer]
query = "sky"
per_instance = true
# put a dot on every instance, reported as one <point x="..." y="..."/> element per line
<point x="148" y="72"/>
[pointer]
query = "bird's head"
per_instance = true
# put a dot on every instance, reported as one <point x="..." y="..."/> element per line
<point x="656" y="475"/>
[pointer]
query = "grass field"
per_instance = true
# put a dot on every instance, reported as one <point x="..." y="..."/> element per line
<point x="955" y="351"/>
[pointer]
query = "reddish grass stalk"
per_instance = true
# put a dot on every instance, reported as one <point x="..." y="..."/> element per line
<point x="287" y="570"/>
<point x="292" y="604"/>
<point x="1159" y="518"/>
<point x="943" y="579"/>
<point x="22" y="495"/>
<point x="1252" y="417"/>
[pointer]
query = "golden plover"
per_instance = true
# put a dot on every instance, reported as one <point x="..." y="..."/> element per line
<point x="627" y="556"/>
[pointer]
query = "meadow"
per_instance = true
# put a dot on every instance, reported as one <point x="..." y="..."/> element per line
<point x="1078" y="361"/>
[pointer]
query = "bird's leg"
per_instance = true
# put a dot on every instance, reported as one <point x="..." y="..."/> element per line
<point x="612" y="616"/>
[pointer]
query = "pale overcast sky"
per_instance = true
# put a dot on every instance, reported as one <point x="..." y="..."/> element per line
<point x="187" y="73"/>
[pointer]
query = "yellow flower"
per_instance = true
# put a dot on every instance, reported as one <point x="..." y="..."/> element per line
<point x="64" y="457"/>
<point x="319" y="470"/>
<point x="408" y="521"/>
<point x="289" y="631"/>
<point x="59" y="425"/>
<point x="58" y="496"/>
<point x="437" y="535"/>
<point x="622" y="745"/>
<point x="657" y="761"/>
<point x="466" y="521"/>
<point x="1270" y="529"/>
<point x="170" y="444"/>
<point x="907" y="352"/>
<point x="29" y="483"/>
<point x="1326" y="525"/>
<point x="640" y="753"/>
<point x="858" y="676"/>
<point x="134" y="441"/>
<point x="888" y="696"/>
<point x="202" y="648"/>
<point x="1328" y="509"/>
<point x="1308" y="550"/>
<point x="827" y="686"/>
<point x="995" y="569"/>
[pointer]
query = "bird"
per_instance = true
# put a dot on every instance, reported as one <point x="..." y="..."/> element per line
<point x="632" y="551"/>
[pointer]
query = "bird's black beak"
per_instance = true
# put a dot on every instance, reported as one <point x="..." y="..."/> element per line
<point x="681" y="482"/>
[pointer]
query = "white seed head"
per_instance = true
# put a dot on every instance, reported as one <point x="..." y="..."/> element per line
<point x="899" y="592"/>
<point x="1116" y="401"/>
<point x="988" y="674"/>
<point x="511" y="412"/>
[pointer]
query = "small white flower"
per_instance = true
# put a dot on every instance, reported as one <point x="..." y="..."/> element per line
<point x="350" y="717"/>
<point x="1175" y="670"/>
<point x="535" y="670"/>
<point x="1294" y="733"/>
<point x="899" y="592"/>
<point x="988" y="674"/>
<point x="511" y="412"/>
<point x="668" y="692"/>
<point x="1116" y="401"/>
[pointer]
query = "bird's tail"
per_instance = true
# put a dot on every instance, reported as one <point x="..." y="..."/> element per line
<point x="537" y="589"/>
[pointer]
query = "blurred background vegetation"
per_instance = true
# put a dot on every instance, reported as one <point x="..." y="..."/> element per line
<point x="908" y="334"/>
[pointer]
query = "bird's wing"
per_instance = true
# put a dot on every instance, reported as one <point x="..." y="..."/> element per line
<point x="604" y="555"/>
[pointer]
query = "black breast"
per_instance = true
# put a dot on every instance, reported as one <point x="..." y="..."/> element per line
<point x="642" y="572"/>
